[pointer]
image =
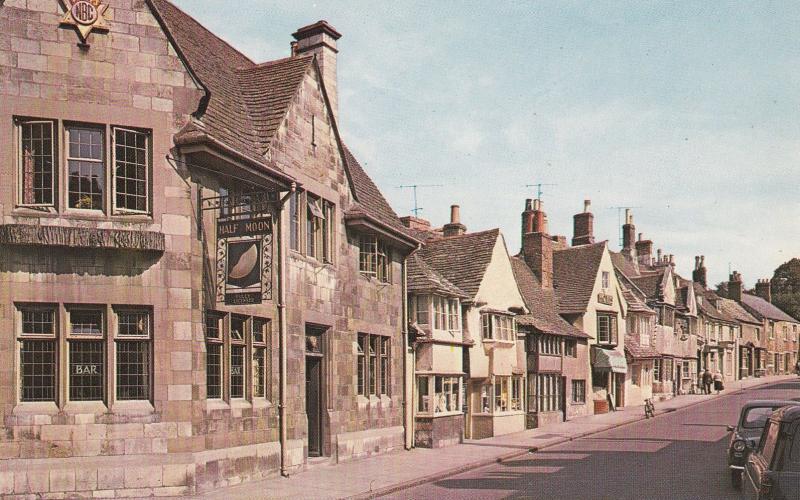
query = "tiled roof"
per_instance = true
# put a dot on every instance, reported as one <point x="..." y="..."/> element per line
<point x="462" y="260"/>
<point x="636" y="299"/>
<point x="706" y="305"/>
<point x="423" y="279"/>
<point x="369" y="199"/>
<point x="638" y="351"/>
<point x="736" y="311"/>
<point x="761" y="307"/>
<point x="574" y="274"/>
<point x="541" y="302"/>
<point x="248" y="102"/>
<point x="624" y="265"/>
<point x="650" y="284"/>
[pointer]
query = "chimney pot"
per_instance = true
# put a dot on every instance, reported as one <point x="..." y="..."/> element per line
<point x="455" y="214"/>
<point x="640" y="236"/>
<point x="587" y="205"/>
<point x="528" y="204"/>
<point x="454" y="227"/>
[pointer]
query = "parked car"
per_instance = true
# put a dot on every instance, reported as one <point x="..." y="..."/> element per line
<point x="746" y="434"/>
<point x="773" y="470"/>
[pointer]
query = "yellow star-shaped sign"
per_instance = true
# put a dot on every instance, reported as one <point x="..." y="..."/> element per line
<point x="85" y="15"/>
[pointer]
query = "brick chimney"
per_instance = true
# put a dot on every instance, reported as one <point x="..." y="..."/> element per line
<point x="764" y="289"/>
<point x="644" y="251"/>
<point x="537" y="246"/>
<point x="455" y="227"/>
<point x="628" y="233"/>
<point x="699" y="275"/>
<point x="735" y="287"/>
<point x="319" y="39"/>
<point x="412" y="222"/>
<point x="583" y="226"/>
<point x="527" y="218"/>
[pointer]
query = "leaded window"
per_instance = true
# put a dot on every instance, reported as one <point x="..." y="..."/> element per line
<point x="38" y="355"/>
<point x="374" y="258"/>
<point x="131" y="170"/>
<point x="237" y="357"/>
<point x="86" y="355"/>
<point x="37" y="161"/>
<point x="260" y="358"/>
<point x="86" y="168"/>
<point x="213" y="330"/>
<point x="373" y="363"/>
<point x="134" y="366"/>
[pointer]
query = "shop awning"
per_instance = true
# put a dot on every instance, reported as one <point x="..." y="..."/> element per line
<point x="606" y="359"/>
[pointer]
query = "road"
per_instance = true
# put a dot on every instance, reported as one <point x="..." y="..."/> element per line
<point x="678" y="455"/>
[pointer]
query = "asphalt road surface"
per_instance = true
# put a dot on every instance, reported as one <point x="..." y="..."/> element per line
<point x="678" y="455"/>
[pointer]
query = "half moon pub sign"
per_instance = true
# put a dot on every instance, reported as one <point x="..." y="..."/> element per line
<point x="244" y="249"/>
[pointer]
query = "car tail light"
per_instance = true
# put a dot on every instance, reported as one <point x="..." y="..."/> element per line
<point x="739" y="445"/>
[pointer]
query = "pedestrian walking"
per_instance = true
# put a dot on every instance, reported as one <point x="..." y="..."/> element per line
<point x="718" y="382"/>
<point x="707" y="378"/>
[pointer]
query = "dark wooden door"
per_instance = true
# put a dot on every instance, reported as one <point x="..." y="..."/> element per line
<point x="563" y="399"/>
<point x="314" y="404"/>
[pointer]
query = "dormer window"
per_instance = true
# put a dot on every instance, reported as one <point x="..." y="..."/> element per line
<point x="498" y="327"/>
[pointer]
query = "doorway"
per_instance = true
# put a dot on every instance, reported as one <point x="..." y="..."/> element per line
<point x="315" y="389"/>
<point x="314" y="404"/>
<point x="563" y="399"/>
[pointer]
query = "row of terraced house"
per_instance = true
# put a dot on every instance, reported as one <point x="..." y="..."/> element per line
<point x="200" y="284"/>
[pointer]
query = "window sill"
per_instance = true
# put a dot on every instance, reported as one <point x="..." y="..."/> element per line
<point x="260" y="403"/>
<point x="310" y="260"/>
<point x="577" y="403"/>
<point x="132" y="407"/>
<point x="85" y="407"/>
<point x="500" y="413"/>
<point x="216" y="404"/>
<point x="35" y="408"/>
<point x="439" y="414"/>
<point x="239" y="404"/>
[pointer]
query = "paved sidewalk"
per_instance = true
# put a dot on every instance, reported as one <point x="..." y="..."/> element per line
<point x="398" y="470"/>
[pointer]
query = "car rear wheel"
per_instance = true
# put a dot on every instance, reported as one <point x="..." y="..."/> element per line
<point x="736" y="479"/>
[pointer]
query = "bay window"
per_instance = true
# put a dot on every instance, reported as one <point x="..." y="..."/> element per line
<point x="498" y="327"/>
<point x="544" y="392"/>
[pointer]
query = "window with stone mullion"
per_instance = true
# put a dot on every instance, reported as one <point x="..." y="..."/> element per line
<point x="37" y="163"/>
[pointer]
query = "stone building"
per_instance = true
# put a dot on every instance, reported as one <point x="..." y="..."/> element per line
<point x="199" y="284"/>
<point x="478" y="265"/>
<point x="751" y="342"/>
<point x="780" y="330"/>
<point x="557" y="353"/>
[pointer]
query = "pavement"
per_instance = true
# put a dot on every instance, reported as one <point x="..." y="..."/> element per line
<point x="385" y="474"/>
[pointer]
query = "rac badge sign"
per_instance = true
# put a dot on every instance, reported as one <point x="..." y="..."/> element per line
<point x="85" y="16"/>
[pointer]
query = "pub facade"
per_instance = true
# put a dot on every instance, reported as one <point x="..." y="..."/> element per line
<point x="199" y="284"/>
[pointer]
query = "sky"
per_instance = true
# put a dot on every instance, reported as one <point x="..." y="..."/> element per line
<point x="686" y="111"/>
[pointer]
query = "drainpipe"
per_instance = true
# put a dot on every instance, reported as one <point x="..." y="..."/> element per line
<point x="282" y="332"/>
<point x="408" y="368"/>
